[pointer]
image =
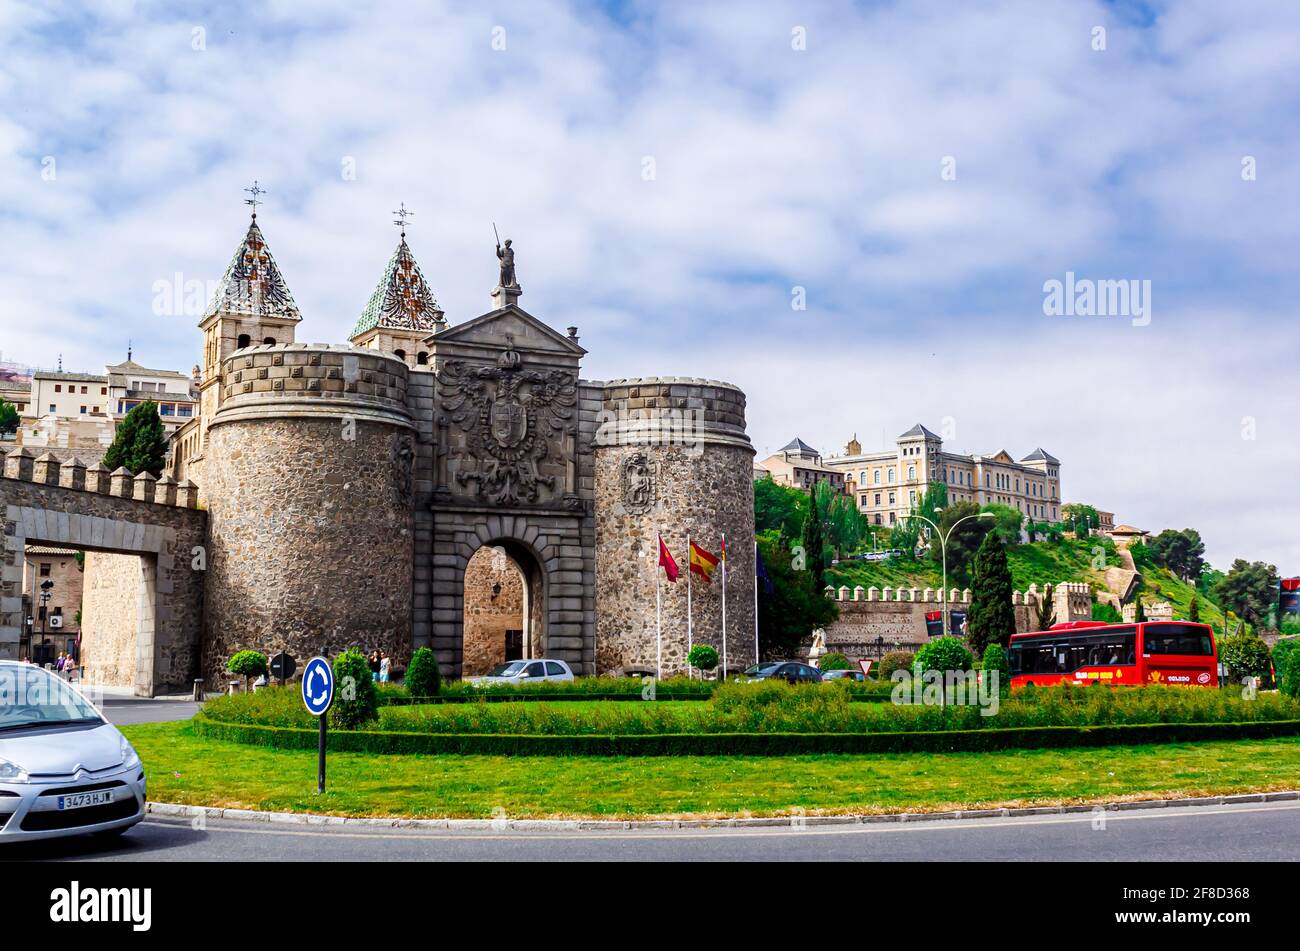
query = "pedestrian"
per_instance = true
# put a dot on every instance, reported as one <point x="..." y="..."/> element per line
<point x="384" y="665"/>
<point x="58" y="664"/>
<point x="70" y="668"/>
<point x="374" y="666"/>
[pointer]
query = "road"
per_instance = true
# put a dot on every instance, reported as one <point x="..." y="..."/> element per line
<point x="1244" y="832"/>
<point x="122" y="711"/>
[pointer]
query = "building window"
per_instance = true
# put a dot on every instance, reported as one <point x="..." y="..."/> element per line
<point x="891" y="498"/>
<point x="400" y="354"/>
<point x="52" y="409"/>
<point x="103" y="391"/>
<point x="911" y="497"/>
<point x="243" y="341"/>
<point x="184" y="411"/>
<point x="892" y="518"/>
<point x="911" y="473"/>
<point x="877" y="498"/>
<point x="83" y="410"/>
<point x="877" y="518"/>
<point x="891" y="474"/>
<point x="45" y="569"/>
<point x="876" y="475"/>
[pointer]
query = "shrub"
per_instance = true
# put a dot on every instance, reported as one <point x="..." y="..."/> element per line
<point x="835" y="661"/>
<point x="995" y="658"/>
<point x="703" y="656"/>
<point x="1290" y="675"/>
<point x="247" y="664"/>
<point x="1106" y="612"/>
<point x="423" y="676"/>
<point x="944" y="653"/>
<point x="896" y="660"/>
<point x="1282" y="653"/>
<point x="356" y="701"/>
<point x="1245" y="656"/>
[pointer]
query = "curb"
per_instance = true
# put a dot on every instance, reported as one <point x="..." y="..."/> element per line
<point x="795" y="821"/>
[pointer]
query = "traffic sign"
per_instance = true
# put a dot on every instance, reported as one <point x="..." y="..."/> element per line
<point x="282" y="667"/>
<point x="318" y="686"/>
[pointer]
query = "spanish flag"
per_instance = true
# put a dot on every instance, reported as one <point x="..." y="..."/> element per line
<point x="702" y="563"/>
<point x="666" y="561"/>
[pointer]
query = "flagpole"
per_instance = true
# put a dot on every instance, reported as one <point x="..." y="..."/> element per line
<point x="659" y="627"/>
<point x="724" y="605"/>
<point x="690" y="624"/>
<point x="756" y="601"/>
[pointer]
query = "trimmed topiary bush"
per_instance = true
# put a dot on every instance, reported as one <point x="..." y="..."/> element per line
<point x="248" y="664"/>
<point x="1245" y="656"/>
<point x="703" y="656"/>
<point x="944" y="653"/>
<point x="896" y="660"/>
<point x="356" y="701"/>
<point x="835" y="661"/>
<point x="995" y="658"/>
<point x="423" y="676"/>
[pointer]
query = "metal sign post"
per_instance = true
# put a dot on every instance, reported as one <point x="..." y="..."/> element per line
<point x="318" y="697"/>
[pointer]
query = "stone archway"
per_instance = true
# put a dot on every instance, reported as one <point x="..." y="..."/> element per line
<point x="504" y="607"/>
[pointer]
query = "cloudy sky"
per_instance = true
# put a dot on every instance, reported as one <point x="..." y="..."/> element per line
<point x="850" y="212"/>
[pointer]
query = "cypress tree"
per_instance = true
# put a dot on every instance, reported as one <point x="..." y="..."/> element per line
<point x="1139" y="615"/>
<point x="140" y="444"/>
<point x="992" y="619"/>
<point x="813" y="542"/>
<point x="1194" y="610"/>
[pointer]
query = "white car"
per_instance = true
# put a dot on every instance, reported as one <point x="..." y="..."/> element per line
<point x="64" y="769"/>
<point x="525" y="672"/>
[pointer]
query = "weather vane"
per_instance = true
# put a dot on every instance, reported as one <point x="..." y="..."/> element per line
<point x="254" y="201"/>
<point x="402" y="214"/>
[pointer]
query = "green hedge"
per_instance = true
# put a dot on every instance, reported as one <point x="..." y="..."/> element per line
<point x="746" y="744"/>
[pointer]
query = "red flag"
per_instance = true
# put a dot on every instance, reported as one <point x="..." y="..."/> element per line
<point x="666" y="560"/>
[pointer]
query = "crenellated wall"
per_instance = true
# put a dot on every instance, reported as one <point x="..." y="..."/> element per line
<point x="897" y="615"/>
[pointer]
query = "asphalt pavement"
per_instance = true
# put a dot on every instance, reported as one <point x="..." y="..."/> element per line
<point x="1268" y="831"/>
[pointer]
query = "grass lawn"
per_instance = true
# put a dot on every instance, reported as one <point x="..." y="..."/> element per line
<point x="186" y="769"/>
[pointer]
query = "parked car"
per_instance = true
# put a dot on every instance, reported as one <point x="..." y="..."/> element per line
<point x="64" y="769"/>
<point x="840" y="676"/>
<point x="790" y="671"/>
<point x="525" y="672"/>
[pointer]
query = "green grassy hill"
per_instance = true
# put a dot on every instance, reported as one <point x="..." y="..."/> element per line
<point x="1039" y="563"/>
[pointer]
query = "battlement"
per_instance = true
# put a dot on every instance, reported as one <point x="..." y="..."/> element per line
<point x="1074" y="591"/>
<point x="671" y="410"/>
<point x="307" y="379"/>
<point x="24" y="466"/>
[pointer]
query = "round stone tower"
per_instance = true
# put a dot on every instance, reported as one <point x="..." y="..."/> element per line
<point x="672" y="459"/>
<point x="308" y="480"/>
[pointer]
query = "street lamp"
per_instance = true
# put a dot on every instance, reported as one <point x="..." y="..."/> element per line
<point x="943" y="552"/>
<point x="45" y="600"/>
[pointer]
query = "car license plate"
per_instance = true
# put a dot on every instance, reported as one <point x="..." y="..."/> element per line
<point x="81" y="800"/>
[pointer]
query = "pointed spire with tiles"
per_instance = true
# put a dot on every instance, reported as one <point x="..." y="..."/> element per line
<point x="253" y="285"/>
<point x="402" y="311"/>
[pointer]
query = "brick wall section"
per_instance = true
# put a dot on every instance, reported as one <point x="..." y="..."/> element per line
<point x="44" y="502"/>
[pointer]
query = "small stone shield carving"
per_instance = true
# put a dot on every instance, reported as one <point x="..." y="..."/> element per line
<point x="638" y="483"/>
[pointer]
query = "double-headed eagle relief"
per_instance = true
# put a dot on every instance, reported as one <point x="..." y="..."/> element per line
<point x="510" y="416"/>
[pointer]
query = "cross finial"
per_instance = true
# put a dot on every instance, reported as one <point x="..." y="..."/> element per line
<point x="255" y="191"/>
<point x="402" y="214"/>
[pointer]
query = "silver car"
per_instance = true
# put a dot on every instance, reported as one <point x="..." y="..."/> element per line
<point x="64" y="769"/>
<point x="524" y="672"/>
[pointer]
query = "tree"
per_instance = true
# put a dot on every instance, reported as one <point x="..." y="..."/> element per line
<point x="814" y="542"/>
<point x="779" y="508"/>
<point x="992" y="619"/>
<point x="790" y="607"/>
<point x="1194" y="610"/>
<point x="963" y="541"/>
<point x="1245" y="656"/>
<point x="1079" y="518"/>
<point x="844" y="524"/>
<point x="834" y="661"/>
<point x="1046" y="612"/>
<point x="247" y="664"/>
<point x="1006" y="521"/>
<point x="356" y="699"/>
<point x="1250" y="589"/>
<point x="1106" y="612"/>
<point x="1139" y="614"/>
<point x="944" y="654"/>
<point x="1183" y="552"/>
<point x="140" y="445"/>
<point x="8" y="417"/>
<point x="703" y="656"/>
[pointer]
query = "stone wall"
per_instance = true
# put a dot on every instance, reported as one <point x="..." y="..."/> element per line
<point x="309" y="489"/>
<point x="45" y="502"/>
<point x="490" y="613"/>
<point x="110" y="617"/>
<point x="672" y="457"/>
<point x="897" y="615"/>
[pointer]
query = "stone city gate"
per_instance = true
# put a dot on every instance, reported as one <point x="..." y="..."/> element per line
<point x="46" y="502"/>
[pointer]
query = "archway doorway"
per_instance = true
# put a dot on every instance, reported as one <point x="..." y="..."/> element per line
<point x="504" y="616"/>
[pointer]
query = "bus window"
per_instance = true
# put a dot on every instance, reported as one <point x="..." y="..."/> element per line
<point x="1176" y="639"/>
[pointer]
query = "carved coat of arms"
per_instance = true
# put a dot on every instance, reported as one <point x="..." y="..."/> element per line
<point x="638" y="483"/>
<point x="510" y="415"/>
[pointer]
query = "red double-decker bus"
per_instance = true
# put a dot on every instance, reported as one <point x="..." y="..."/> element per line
<point x="1093" y="652"/>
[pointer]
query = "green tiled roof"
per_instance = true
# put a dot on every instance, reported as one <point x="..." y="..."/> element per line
<point x="253" y="283"/>
<point x="402" y="300"/>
